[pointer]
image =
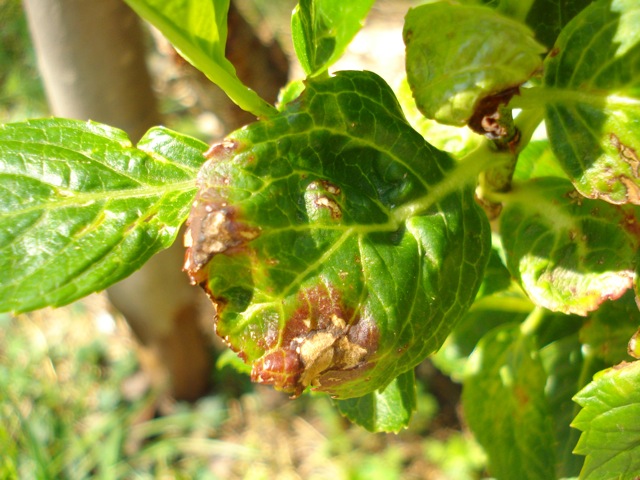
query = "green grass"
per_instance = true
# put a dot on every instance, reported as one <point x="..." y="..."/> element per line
<point x="70" y="409"/>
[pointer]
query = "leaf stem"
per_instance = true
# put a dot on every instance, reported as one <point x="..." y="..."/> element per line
<point x="538" y="97"/>
<point x="465" y="173"/>
<point x="533" y="321"/>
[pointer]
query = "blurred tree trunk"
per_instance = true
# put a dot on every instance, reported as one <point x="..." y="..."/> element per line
<point x="91" y="56"/>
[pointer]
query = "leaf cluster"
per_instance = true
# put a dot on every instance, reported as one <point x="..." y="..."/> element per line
<point x="342" y="248"/>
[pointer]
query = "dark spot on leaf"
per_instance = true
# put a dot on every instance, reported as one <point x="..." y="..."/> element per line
<point x="213" y="228"/>
<point x="554" y="52"/>
<point x="280" y="368"/>
<point x="488" y="120"/>
<point x="626" y="154"/>
<point x="630" y="223"/>
<point x="328" y="340"/>
<point x="222" y="150"/>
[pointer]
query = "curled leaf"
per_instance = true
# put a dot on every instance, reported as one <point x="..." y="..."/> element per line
<point x="335" y="254"/>
<point x="592" y="80"/>
<point x="569" y="253"/>
<point x="458" y="55"/>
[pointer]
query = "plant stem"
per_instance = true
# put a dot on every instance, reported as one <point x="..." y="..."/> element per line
<point x="465" y="173"/>
<point x="533" y="321"/>
<point x="537" y="97"/>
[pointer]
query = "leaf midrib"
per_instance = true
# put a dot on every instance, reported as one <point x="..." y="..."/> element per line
<point x="80" y="199"/>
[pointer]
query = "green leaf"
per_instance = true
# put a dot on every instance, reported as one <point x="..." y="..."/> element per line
<point x="484" y="316"/>
<point x="569" y="253"/>
<point x="198" y="30"/>
<point x="537" y="160"/>
<point x="505" y="404"/>
<point x="457" y="55"/>
<point x="564" y="363"/>
<point x="547" y="18"/>
<point x="322" y="29"/>
<point x="610" y="439"/>
<point x="386" y="410"/>
<point x="610" y="328"/>
<point x="339" y="247"/>
<point x="592" y="92"/>
<point x="81" y="208"/>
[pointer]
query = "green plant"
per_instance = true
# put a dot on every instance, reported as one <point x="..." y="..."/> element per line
<point x="341" y="248"/>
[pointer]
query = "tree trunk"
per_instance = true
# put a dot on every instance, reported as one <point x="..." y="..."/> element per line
<point x="91" y="56"/>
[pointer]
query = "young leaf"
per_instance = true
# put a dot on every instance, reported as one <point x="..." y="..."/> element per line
<point x="505" y="404"/>
<point x="386" y="410"/>
<point x="198" y="30"/>
<point x="322" y="29"/>
<point x="339" y="247"/>
<point x="81" y="208"/>
<point x="457" y="55"/>
<point x="609" y="423"/>
<point x="592" y="89"/>
<point x="569" y="253"/>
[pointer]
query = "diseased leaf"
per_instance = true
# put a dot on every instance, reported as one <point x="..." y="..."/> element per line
<point x="198" y="30"/>
<point x="458" y="55"/>
<point x="387" y="410"/>
<point x="610" y="439"/>
<point x="81" y="208"/>
<point x="608" y="330"/>
<point x="322" y="29"/>
<point x="505" y="405"/>
<point x="569" y="253"/>
<point x="336" y="254"/>
<point x="592" y="83"/>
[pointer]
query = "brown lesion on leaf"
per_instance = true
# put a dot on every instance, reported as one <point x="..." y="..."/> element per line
<point x="492" y="120"/>
<point x="322" y="195"/>
<point x="322" y="341"/>
<point x="626" y="154"/>
<point x="213" y="225"/>
<point x="629" y="156"/>
<point x="221" y="150"/>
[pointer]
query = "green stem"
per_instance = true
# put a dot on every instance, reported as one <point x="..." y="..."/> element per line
<point x="465" y="173"/>
<point x="533" y="321"/>
<point x="535" y="98"/>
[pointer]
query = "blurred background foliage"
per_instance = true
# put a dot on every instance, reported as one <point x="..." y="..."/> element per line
<point x="74" y="403"/>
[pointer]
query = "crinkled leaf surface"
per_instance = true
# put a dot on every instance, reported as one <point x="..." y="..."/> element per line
<point x="610" y="437"/>
<point x="81" y="208"/>
<point x="322" y="29"/>
<point x="458" y="54"/>
<point x="386" y="410"/>
<point x="569" y="253"/>
<point x="198" y="30"/>
<point x="505" y="404"/>
<point x="593" y="108"/>
<point x="339" y="246"/>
